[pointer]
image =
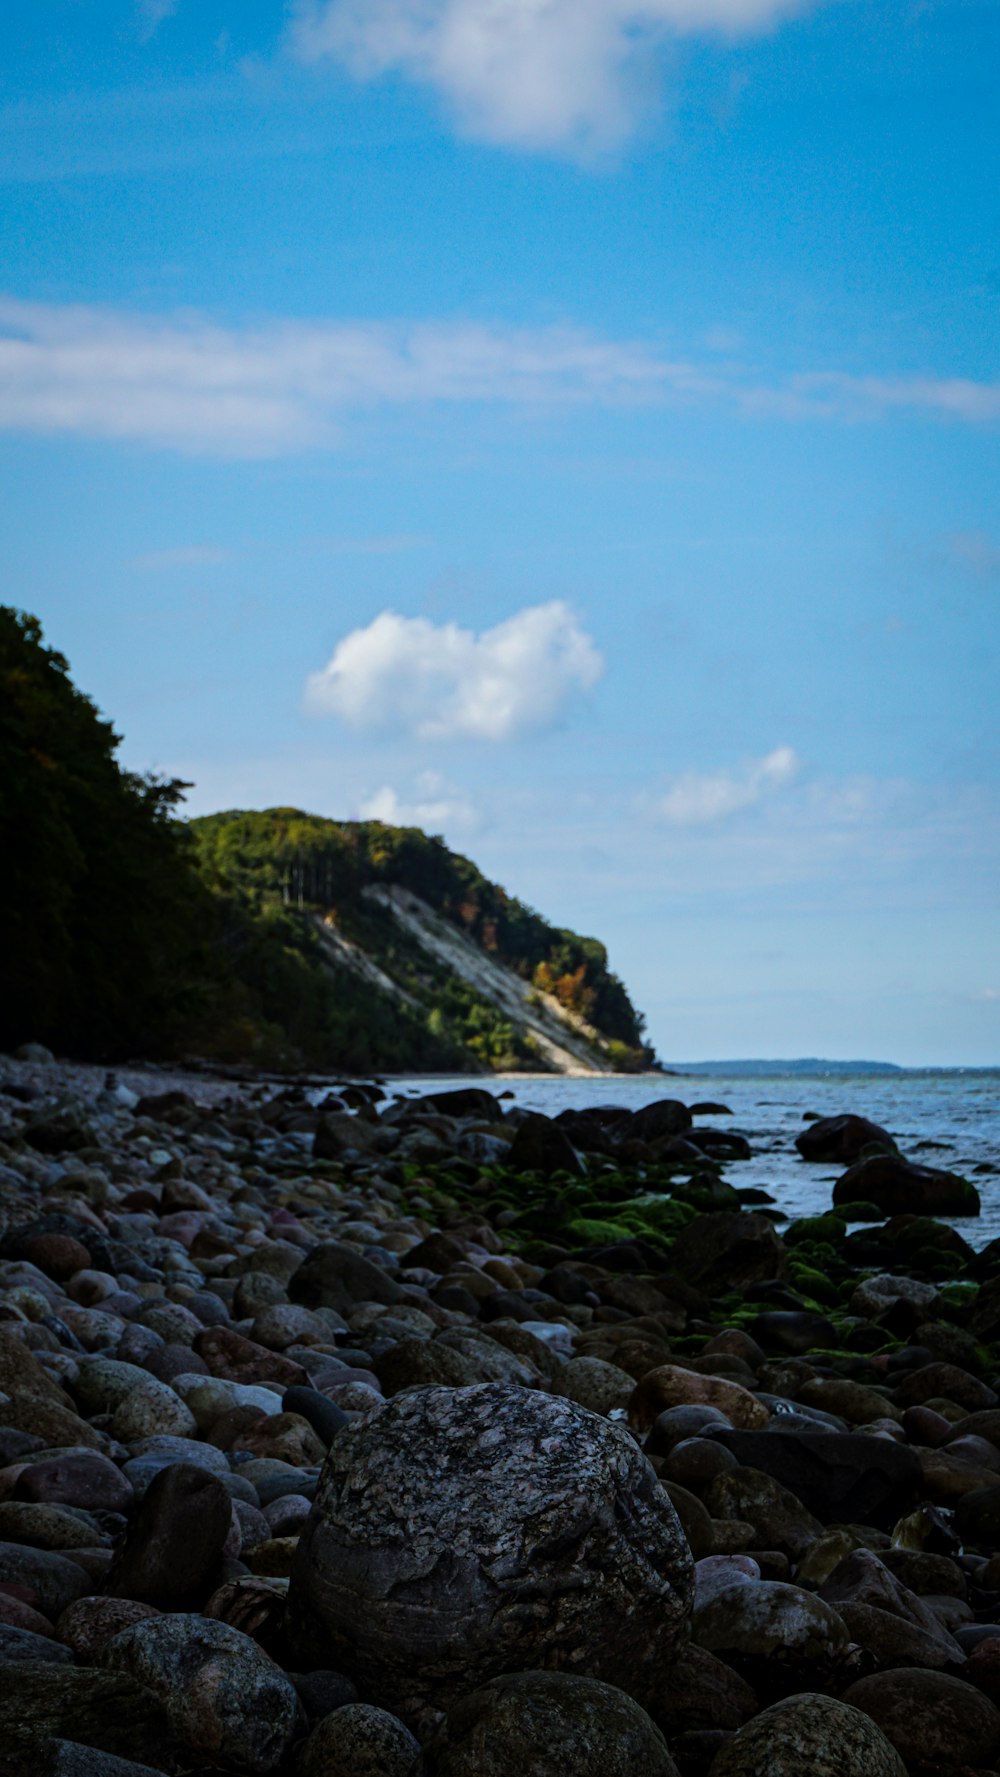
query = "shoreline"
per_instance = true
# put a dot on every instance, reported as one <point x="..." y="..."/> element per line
<point x="214" y="1300"/>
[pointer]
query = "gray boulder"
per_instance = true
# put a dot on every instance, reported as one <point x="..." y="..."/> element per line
<point x="809" y="1734"/>
<point x="467" y="1532"/>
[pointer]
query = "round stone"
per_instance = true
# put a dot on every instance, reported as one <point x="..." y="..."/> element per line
<point x="466" y="1532"/>
<point x="810" y="1734"/>
<point x="358" y="1740"/>
<point x="545" y="1724"/>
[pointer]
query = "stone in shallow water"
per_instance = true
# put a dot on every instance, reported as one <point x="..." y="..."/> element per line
<point x="461" y="1533"/>
<point x="546" y="1724"/>
<point x="809" y="1736"/>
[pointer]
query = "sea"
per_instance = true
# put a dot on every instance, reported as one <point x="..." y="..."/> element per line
<point x="942" y="1117"/>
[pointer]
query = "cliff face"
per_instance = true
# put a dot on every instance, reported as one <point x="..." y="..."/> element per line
<point x="362" y="945"/>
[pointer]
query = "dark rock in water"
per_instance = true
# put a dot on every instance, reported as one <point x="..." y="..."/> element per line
<point x="226" y="1701"/>
<point x="465" y="1532"/>
<point x="841" y="1477"/>
<point x="658" y="1121"/>
<point x="548" y="1724"/>
<point x="338" y="1277"/>
<point x="809" y="1733"/>
<point x="108" y="1710"/>
<point x="461" y="1101"/>
<point x="899" y="1187"/>
<point x="841" y="1138"/>
<point x="541" y="1146"/>
<point x="930" y="1717"/>
<point x="709" y="1108"/>
<point x="720" y="1144"/>
<point x="175" y="1539"/>
<point x="358" y="1740"/>
<point x="325" y="1417"/>
<point x="728" y="1250"/>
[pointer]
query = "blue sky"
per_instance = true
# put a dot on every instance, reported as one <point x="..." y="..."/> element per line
<point x="571" y="425"/>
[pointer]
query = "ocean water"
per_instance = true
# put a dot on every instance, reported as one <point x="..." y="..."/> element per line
<point x="947" y="1118"/>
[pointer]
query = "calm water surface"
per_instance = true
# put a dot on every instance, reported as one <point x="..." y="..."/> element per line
<point x="945" y="1118"/>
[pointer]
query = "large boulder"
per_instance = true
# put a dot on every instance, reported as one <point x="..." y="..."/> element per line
<point x="463" y="1533"/>
<point x="841" y="1138"/>
<point x="546" y="1724"/>
<point x="813" y="1734"/>
<point x="899" y="1187"/>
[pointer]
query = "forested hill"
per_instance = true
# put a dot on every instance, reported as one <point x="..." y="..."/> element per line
<point x="274" y="938"/>
<point x="414" y="957"/>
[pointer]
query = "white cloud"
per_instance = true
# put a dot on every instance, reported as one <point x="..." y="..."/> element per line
<point x="697" y="799"/>
<point x="435" y="805"/>
<point x="528" y="73"/>
<point x="182" y="382"/>
<point x="440" y="682"/>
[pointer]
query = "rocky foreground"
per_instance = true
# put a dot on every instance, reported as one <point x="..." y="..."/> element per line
<point x="417" y="1438"/>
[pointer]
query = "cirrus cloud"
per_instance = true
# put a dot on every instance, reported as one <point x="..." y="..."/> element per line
<point x="549" y="74"/>
<point x="440" y="682"/>
<point x="697" y="799"/>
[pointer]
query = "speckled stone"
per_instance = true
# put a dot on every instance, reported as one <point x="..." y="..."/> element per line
<point x="226" y="1700"/>
<point x="358" y="1740"/>
<point x="548" y="1724"/>
<point x="809" y="1736"/>
<point x="461" y="1533"/>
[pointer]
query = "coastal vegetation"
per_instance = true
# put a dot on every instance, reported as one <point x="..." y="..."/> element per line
<point x="270" y="937"/>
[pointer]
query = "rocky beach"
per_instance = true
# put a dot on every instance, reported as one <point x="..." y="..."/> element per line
<point x="347" y="1433"/>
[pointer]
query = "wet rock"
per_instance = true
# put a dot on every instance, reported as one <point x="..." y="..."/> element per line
<point x="226" y="1701"/>
<point x="841" y="1138"/>
<point x="545" y="1724"/>
<point x="175" y="1540"/>
<point x="889" y="1621"/>
<point x="809" y="1734"/>
<point x="899" y="1187"/>
<point x="464" y="1532"/>
<point x="338" y="1277"/>
<point x="358" y="1740"/>
<point x="658" y="1121"/>
<point x="541" y="1146"/>
<point x="670" y="1386"/>
<point x="930" y="1717"/>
